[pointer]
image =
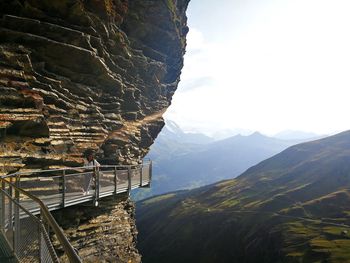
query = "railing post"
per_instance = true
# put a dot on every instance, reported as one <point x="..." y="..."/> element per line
<point x="10" y="206"/>
<point x="18" y="179"/>
<point x="17" y="219"/>
<point x="40" y="233"/>
<point x="97" y="185"/>
<point x="129" y="180"/>
<point x="141" y="171"/>
<point x="150" y="173"/>
<point x="63" y="188"/>
<point x="115" y="180"/>
<point x="3" y="188"/>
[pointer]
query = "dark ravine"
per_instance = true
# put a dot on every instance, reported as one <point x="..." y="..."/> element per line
<point x="87" y="74"/>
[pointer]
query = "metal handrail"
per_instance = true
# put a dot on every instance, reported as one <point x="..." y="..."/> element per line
<point x="71" y="172"/>
<point x="70" y="168"/>
<point x="68" y="248"/>
<point x="29" y="214"/>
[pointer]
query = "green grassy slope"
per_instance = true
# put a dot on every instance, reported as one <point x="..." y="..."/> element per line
<point x="293" y="207"/>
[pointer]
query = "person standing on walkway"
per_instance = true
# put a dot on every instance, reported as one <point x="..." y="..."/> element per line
<point x="90" y="162"/>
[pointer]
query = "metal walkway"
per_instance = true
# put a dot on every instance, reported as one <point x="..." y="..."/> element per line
<point x="27" y="226"/>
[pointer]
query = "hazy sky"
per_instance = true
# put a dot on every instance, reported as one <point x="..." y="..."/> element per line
<point x="265" y="65"/>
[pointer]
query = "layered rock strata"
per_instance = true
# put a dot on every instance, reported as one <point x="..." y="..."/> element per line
<point x="86" y="74"/>
<point x="102" y="234"/>
<point x="79" y="74"/>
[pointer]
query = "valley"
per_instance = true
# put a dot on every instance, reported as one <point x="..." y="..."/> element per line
<point x="189" y="160"/>
<point x="292" y="207"/>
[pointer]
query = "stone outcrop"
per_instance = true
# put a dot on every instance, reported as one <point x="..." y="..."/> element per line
<point x="78" y="74"/>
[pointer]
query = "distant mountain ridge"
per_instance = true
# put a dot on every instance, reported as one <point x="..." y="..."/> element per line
<point x="297" y="135"/>
<point x="181" y="163"/>
<point x="292" y="207"/>
<point x="172" y="131"/>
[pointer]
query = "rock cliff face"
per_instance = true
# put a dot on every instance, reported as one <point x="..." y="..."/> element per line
<point x="78" y="74"/>
<point x="102" y="234"/>
<point x="86" y="74"/>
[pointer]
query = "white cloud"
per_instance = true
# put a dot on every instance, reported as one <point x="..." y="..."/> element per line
<point x="195" y="40"/>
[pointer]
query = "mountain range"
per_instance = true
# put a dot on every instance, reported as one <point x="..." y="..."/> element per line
<point x="173" y="132"/>
<point x="300" y="135"/>
<point x="188" y="160"/>
<point x="292" y="207"/>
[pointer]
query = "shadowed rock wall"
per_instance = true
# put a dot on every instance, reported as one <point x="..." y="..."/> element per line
<point x="78" y="74"/>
